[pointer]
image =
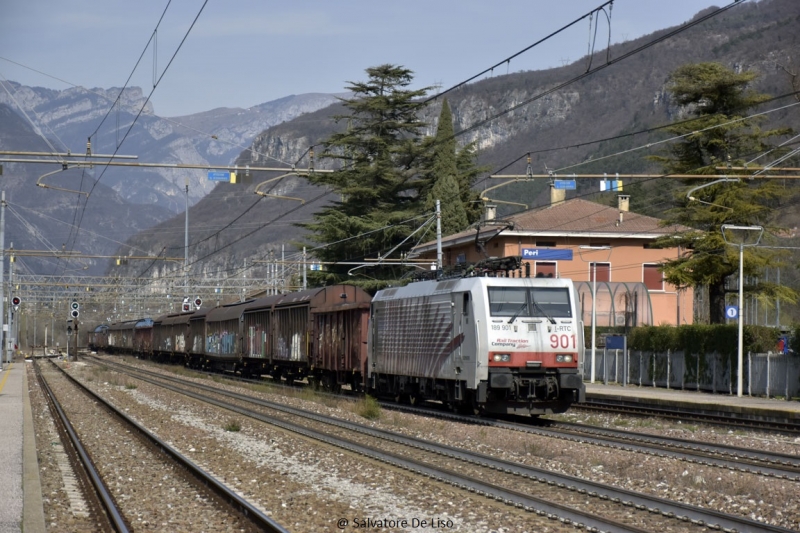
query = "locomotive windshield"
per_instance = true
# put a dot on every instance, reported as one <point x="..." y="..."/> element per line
<point x="544" y="302"/>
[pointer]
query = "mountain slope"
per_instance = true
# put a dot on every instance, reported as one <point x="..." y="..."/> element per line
<point x="69" y="117"/>
<point x="555" y="129"/>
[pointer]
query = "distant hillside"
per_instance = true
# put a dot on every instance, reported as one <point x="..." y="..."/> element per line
<point x="627" y="97"/>
<point x="69" y="117"/>
<point x="45" y="219"/>
<point x="128" y="200"/>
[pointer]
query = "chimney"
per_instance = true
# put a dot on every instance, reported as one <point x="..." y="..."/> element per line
<point x="490" y="212"/>
<point x="624" y="202"/>
<point x="557" y="196"/>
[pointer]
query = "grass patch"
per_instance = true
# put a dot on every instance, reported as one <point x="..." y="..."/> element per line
<point x="265" y="388"/>
<point x="232" y="425"/>
<point x="308" y="394"/>
<point x="368" y="408"/>
<point x="131" y="386"/>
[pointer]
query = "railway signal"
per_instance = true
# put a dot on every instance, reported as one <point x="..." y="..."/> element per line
<point x="15" y="301"/>
<point x="198" y="302"/>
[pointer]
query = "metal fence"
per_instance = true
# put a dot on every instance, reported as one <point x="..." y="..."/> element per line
<point x="765" y="374"/>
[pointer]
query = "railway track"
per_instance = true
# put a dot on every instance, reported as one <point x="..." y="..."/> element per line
<point x="757" y="462"/>
<point x="535" y="490"/>
<point x="694" y="414"/>
<point x="190" y="493"/>
<point x="104" y="509"/>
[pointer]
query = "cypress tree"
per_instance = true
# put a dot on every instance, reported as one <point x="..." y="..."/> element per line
<point x="446" y="185"/>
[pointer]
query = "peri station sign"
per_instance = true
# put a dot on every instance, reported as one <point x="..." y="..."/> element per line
<point x="546" y="254"/>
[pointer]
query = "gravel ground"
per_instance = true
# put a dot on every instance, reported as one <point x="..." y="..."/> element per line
<point x="152" y="493"/>
<point x="304" y="485"/>
<point x="308" y="487"/>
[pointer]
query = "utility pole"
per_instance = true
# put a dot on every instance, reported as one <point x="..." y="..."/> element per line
<point x="304" y="268"/>
<point x="438" y="239"/>
<point x="9" y="346"/>
<point x="2" y="265"/>
<point x="186" y="247"/>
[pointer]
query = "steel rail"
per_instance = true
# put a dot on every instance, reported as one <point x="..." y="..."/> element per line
<point x="761" y="459"/>
<point x="640" y="501"/>
<point x="696" y="413"/>
<point x="248" y="510"/>
<point x="102" y="494"/>
<point x="529" y="503"/>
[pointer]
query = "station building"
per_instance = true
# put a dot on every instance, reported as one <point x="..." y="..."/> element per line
<point x="584" y="241"/>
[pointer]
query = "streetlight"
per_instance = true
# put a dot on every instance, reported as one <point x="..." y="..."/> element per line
<point x="594" y="296"/>
<point x="741" y="244"/>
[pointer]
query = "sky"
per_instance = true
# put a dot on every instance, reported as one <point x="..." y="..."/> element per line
<point x="242" y="53"/>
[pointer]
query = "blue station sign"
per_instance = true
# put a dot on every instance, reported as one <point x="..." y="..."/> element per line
<point x="219" y="175"/>
<point x="546" y="254"/>
<point x="569" y="185"/>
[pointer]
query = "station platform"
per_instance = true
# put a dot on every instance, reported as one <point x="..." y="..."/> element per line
<point x="732" y="405"/>
<point x="20" y="489"/>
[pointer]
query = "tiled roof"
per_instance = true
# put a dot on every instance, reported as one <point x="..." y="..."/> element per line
<point x="579" y="215"/>
<point x="576" y="217"/>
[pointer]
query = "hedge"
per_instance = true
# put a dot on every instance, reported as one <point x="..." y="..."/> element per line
<point x="700" y="338"/>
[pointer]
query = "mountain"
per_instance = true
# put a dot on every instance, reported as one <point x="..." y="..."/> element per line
<point x="46" y="219"/>
<point x="123" y="201"/>
<point x="509" y="116"/>
<point x="213" y="138"/>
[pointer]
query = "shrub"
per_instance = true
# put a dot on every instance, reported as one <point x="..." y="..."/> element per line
<point x="369" y="408"/>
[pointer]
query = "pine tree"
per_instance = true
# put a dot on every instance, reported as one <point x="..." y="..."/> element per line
<point x="717" y="96"/>
<point x="381" y="156"/>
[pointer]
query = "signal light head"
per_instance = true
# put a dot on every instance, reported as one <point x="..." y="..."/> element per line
<point x="15" y="300"/>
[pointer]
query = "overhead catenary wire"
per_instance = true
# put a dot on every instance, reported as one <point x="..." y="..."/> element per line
<point x="82" y="210"/>
<point x="624" y="135"/>
<point x="517" y="54"/>
<point x="249" y="149"/>
<point x="36" y="128"/>
<point x="605" y="65"/>
<point x="640" y="48"/>
<point x="152" y="40"/>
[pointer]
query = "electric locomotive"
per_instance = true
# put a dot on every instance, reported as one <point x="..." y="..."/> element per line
<point x="498" y="345"/>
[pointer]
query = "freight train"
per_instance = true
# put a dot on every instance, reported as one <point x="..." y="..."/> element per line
<point x="476" y="344"/>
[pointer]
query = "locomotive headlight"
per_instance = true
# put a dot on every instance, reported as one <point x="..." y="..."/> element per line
<point x="502" y="358"/>
<point x="564" y="358"/>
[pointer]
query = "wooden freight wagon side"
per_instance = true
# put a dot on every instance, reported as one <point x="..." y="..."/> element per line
<point x="339" y="354"/>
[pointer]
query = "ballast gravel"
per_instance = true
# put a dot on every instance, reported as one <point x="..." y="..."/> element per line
<point x="307" y="486"/>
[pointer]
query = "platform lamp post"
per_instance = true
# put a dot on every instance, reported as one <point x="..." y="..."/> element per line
<point x="590" y="249"/>
<point x="743" y="232"/>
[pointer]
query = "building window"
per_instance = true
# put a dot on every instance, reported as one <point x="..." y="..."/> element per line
<point x="652" y="277"/>
<point x="546" y="269"/>
<point x="603" y="271"/>
<point x="546" y="244"/>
